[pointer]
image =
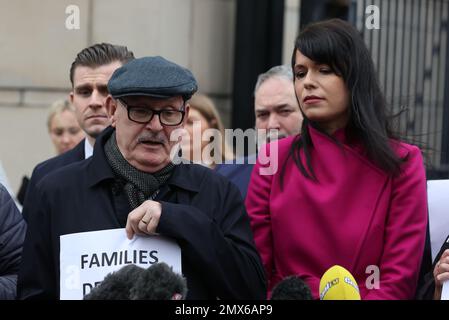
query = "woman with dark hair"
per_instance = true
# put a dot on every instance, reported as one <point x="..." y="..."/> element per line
<point x="347" y="191"/>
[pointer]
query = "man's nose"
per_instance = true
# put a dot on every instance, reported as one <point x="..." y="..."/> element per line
<point x="154" y="124"/>
<point x="96" y="99"/>
<point x="273" y="122"/>
<point x="65" y="138"/>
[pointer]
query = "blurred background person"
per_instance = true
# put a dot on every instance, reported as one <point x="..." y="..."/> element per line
<point x="63" y="127"/>
<point x="203" y="115"/>
<point x="275" y="103"/>
<point x="277" y="111"/>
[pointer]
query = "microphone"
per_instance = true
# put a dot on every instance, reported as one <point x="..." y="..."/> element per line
<point x="116" y="285"/>
<point x="337" y="283"/>
<point x="291" y="288"/>
<point x="158" y="282"/>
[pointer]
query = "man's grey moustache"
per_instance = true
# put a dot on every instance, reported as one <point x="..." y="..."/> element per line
<point x="96" y="115"/>
<point x="153" y="140"/>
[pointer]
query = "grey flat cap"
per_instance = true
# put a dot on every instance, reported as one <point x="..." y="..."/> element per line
<point x="154" y="77"/>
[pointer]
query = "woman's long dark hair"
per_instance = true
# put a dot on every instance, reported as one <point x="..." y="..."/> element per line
<point x="338" y="44"/>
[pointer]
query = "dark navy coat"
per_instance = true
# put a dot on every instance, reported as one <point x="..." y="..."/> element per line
<point x="239" y="174"/>
<point x="12" y="233"/>
<point x="203" y="211"/>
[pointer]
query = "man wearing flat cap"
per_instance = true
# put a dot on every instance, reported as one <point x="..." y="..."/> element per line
<point x="130" y="182"/>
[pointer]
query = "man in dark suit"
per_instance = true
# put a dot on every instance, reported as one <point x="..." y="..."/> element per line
<point x="89" y="75"/>
<point x="277" y="110"/>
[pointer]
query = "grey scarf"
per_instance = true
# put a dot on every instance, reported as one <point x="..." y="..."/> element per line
<point x="138" y="185"/>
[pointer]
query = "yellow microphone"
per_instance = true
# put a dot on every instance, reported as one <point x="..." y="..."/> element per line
<point x="337" y="283"/>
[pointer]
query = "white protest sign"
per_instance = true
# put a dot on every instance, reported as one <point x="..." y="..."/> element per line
<point x="445" y="291"/>
<point x="438" y="204"/>
<point x="87" y="257"/>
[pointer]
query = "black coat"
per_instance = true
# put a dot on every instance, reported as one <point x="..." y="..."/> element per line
<point x="12" y="233"/>
<point x="427" y="288"/>
<point x="42" y="169"/>
<point x="203" y="211"/>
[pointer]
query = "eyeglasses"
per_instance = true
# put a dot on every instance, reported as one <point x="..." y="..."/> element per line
<point x="144" y="115"/>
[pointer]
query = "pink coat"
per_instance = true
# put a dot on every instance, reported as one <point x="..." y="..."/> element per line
<point x="354" y="215"/>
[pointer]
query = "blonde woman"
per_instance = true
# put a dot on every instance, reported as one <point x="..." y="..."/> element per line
<point x="63" y="128"/>
<point x="202" y="145"/>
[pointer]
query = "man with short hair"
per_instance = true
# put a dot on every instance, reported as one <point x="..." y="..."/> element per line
<point x="89" y="75"/>
<point x="277" y="111"/>
<point x="275" y="103"/>
<point x="132" y="183"/>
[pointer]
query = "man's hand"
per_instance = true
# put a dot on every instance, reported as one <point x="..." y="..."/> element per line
<point x="441" y="274"/>
<point x="144" y="219"/>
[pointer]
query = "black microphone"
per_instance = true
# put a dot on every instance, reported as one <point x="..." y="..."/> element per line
<point x="116" y="285"/>
<point x="291" y="288"/>
<point x="158" y="282"/>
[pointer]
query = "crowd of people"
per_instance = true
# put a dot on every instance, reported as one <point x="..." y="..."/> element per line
<point x="348" y="191"/>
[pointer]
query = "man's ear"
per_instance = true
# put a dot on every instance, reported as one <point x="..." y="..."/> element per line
<point x="111" y="108"/>
<point x="186" y="114"/>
